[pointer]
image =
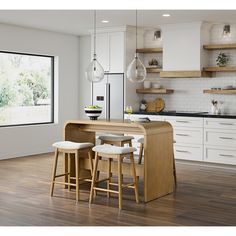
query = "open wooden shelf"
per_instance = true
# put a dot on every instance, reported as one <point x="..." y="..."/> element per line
<point x="184" y="74"/>
<point x="153" y="70"/>
<point x="154" y="91"/>
<point x="220" y="91"/>
<point x="149" y="50"/>
<point x="219" y="46"/>
<point x="220" y="69"/>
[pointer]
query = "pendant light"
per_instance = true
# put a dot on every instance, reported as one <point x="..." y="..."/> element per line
<point x="136" y="71"/>
<point x="94" y="72"/>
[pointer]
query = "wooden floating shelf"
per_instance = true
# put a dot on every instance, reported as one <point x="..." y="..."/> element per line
<point x="220" y="91"/>
<point x="219" y="46"/>
<point x="184" y="74"/>
<point x="154" y="91"/>
<point x="153" y="70"/>
<point x="149" y="50"/>
<point x="220" y="69"/>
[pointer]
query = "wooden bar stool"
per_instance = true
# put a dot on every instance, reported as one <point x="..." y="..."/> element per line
<point x="141" y="141"/>
<point x="68" y="148"/>
<point x="113" y="152"/>
<point x="116" y="140"/>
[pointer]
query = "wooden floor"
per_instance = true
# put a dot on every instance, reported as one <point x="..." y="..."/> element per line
<point x="205" y="196"/>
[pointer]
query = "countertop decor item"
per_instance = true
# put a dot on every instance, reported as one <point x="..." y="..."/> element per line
<point x="156" y="105"/>
<point x="143" y="105"/>
<point x="136" y="71"/>
<point x="93" y="112"/>
<point x="222" y="59"/>
<point x="214" y="108"/>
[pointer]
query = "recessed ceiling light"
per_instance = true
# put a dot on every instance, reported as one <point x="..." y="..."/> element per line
<point x="166" y="15"/>
<point x="105" y="21"/>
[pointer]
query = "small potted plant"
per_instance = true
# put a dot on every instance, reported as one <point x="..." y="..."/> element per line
<point x="222" y="59"/>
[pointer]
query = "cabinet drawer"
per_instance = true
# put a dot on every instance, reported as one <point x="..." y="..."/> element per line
<point x="220" y="138"/>
<point x="188" y="122"/>
<point x="194" y="153"/>
<point x="222" y="156"/>
<point x="188" y="136"/>
<point x="151" y="117"/>
<point x="226" y="124"/>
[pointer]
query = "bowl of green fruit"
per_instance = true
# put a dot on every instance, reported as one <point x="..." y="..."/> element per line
<point x="93" y="112"/>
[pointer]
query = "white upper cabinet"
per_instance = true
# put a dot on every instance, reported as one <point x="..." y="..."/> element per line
<point x="116" y="52"/>
<point x="110" y="48"/>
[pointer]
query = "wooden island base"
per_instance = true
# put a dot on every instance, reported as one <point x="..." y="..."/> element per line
<point x="157" y="170"/>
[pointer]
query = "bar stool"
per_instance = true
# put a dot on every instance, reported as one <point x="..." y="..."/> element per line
<point x="113" y="152"/>
<point x="141" y="141"/>
<point x="68" y="148"/>
<point x="116" y="140"/>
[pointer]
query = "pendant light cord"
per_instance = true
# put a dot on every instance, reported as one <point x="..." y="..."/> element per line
<point x="94" y="24"/>
<point x="136" y="31"/>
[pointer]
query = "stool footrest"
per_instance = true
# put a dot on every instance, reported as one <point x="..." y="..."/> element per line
<point x="102" y="180"/>
<point x="61" y="175"/>
<point x="131" y="185"/>
<point x="105" y="190"/>
<point x="64" y="183"/>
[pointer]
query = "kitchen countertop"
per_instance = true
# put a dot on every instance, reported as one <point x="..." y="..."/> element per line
<point x="186" y="113"/>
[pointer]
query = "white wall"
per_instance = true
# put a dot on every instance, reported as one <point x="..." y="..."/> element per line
<point x="27" y="140"/>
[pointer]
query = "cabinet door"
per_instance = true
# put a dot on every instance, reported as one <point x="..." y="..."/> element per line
<point x="102" y="49"/>
<point x="116" y="52"/>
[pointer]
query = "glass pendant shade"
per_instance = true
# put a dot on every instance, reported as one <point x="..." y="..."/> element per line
<point x="136" y="71"/>
<point x="94" y="72"/>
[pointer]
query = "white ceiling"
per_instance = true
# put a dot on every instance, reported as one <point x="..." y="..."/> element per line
<point x="77" y="22"/>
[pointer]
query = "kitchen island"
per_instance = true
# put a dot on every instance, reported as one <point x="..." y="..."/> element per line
<point x="157" y="170"/>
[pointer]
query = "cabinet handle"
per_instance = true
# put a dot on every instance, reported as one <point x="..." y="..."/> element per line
<point x="226" y="138"/>
<point x="182" y="151"/>
<point x="182" y="121"/>
<point x="183" y="135"/>
<point x="226" y="124"/>
<point x="225" y="155"/>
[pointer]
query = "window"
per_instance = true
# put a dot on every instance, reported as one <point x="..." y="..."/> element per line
<point x="26" y="89"/>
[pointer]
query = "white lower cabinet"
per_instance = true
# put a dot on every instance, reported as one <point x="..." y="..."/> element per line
<point x="193" y="153"/>
<point x="199" y="139"/>
<point x="220" y="141"/>
<point x="188" y="136"/>
<point x="218" y="155"/>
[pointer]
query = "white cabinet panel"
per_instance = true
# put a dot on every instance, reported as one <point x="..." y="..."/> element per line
<point x="116" y="52"/>
<point x="110" y="50"/>
<point x="225" y="124"/>
<point x="191" y="122"/>
<point x="188" y="136"/>
<point x="215" y="137"/>
<point x="193" y="153"/>
<point x="102" y="50"/>
<point x="222" y="156"/>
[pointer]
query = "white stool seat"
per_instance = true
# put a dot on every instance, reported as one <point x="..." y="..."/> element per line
<point x="115" y="138"/>
<point x="72" y="145"/>
<point x="110" y="149"/>
<point x="141" y="140"/>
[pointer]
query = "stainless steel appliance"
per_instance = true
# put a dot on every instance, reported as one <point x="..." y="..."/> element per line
<point x="109" y="94"/>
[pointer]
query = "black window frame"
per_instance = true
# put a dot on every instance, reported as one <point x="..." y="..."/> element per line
<point x="52" y="88"/>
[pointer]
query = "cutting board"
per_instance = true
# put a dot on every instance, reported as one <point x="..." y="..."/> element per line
<point x="155" y="106"/>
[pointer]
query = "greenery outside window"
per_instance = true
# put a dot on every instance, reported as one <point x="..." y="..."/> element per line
<point x="26" y="89"/>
